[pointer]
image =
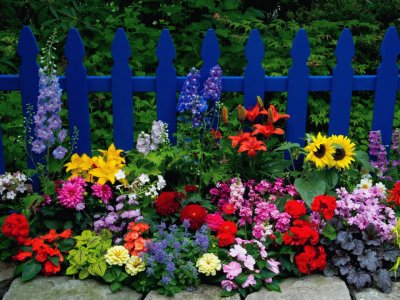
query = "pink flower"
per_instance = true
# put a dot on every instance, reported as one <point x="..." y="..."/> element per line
<point x="228" y="285"/>
<point x="70" y="195"/>
<point x="273" y="265"/>
<point x="249" y="262"/>
<point x="249" y="281"/>
<point x="214" y="221"/>
<point x="102" y="191"/>
<point x="268" y="280"/>
<point x="232" y="269"/>
<point x="239" y="252"/>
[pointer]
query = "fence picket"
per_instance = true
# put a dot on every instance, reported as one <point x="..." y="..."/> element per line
<point x="254" y="74"/>
<point x="77" y="90"/>
<point x="29" y="85"/>
<point x="386" y="86"/>
<point x="210" y="53"/>
<point x="342" y="85"/>
<point x="121" y="85"/>
<point x="298" y="85"/>
<point x="166" y="83"/>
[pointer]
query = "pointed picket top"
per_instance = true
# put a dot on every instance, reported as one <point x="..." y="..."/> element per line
<point x="165" y="47"/>
<point x="300" y="48"/>
<point x="74" y="48"/>
<point x="210" y="53"/>
<point x="345" y="49"/>
<point x="27" y="46"/>
<point x="120" y="49"/>
<point x="390" y="47"/>
<point x="254" y="47"/>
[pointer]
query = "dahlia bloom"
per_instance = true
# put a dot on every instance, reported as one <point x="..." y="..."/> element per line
<point x="103" y="192"/>
<point x="71" y="194"/>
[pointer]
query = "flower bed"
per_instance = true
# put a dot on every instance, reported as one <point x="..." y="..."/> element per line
<point x="221" y="206"/>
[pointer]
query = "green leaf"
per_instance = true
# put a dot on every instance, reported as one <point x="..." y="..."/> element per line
<point x="50" y="224"/>
<point x="79" y="257"/>
<point x="30" y="270"/>
<point x="115" y="286"/>
<point x="273" y="287"/>
<point x="98" y="269"/>
<point x="288" y="146"/>
<point x="310" y="187"/>
<point x="331" y="179"/>
<point x="363" y="158"/>
<point x="109" y="276"/>
<point x="329" y="232"/>
<point x="66" y="244"/>
<point x="83" y="274"/>
<point x="55" y="260"/>
<point x="72" y="269"/>
<point x="240" y="279"/>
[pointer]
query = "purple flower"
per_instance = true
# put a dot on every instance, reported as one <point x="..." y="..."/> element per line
<point x="213" y="85"/>
<point x="59" y="152"/>
<point x="378" y="150"/>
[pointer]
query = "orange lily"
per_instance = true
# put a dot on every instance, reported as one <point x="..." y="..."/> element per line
<point x="274" y="116"/>
<point x="237" y="139"/>
<point x="252" y="145"/>
<point x="267" y="130"/>
<point x="252" y="114"/>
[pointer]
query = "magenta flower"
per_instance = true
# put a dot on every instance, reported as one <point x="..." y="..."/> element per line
<point x="228" y="285"/>
<point x="232" y="269"/>
<point x="103" y="192"/>
<point x="214" y="221"/>
<point x="70" y="195"/>
<point x="249" y="281"/>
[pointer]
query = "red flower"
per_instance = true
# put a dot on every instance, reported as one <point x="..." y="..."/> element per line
<point x="228" y="209"/>
<point x="225" y="239"/>
<point x="267" y="130"/>
<point x="16" y="226"/>
<point x="252" y="145"/>
<point x="313" y="258"/>
<point x="325" y="205"/>
<point x="214" y="221"/>
<point x="228" y="227"/>
<point x="22" y="255"/>
<point x="196" y="214"/>
<point x="295" y="208"/>
<point x="190" y="188"/>
<point x="50" y="269"/>
<point x="394" y="194"/>
<point x="300" y="233"/>
<point x="274" y="116"/>
<point x="252" y="114"/>
<point x="216" y="133"/>
<point x="238" y="139"/>
<point x="167" y="203"/>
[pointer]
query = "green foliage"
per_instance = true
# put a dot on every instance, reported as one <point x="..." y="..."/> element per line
<point x="87" y="257"/>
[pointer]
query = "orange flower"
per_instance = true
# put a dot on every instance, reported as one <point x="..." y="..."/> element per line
<point x="274" y="116"/>
<point x="238" y="139"/>
<point x="252" y="145"/>
<point x="49" y="268"/>
<point x="216" y="133"/>
<point x="252" y="114"/>
<point x="267" y="130"/>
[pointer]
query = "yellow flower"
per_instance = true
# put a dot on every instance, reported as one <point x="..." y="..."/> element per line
<point x="75" y="165"/>
<point x="79" y="166"/>
<point x="320" y="151"/>
<point x="344" y="152"/>
<point x="104" y="171"/>
<point x="208" y="264"/>
<point x="134" y="265"/>
<point x="117" y="255"/>
<point x="112" y="154"/>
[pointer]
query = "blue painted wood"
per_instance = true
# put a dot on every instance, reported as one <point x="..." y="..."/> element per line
<point x="166" y="83"/>
<point x="254" y="73"/>
<point x="2" y="161"/>
<point x="342" y="85"/>
<point x="298" y="85"/>
<point x="210" y="53"/>
<point x="77" y="90"/>
<point x="122" y="100"/>
<point x="386" y="90"/>
<point x="29" y="85"/>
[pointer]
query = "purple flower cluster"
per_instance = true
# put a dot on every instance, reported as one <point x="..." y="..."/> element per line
<point x="196" y="102"/>
<point x="254" y="204"/>
<point x="363" y="207"/>
<point x="47" y="118"/>
<point x="377" y="150"/>
<point x="396" y="147"/>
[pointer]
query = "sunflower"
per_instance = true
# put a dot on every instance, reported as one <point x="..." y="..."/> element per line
<point x="344" y="152"/>
<point x="320" y="151"/>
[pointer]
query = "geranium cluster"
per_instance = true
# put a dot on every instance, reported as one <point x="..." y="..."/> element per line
<point x="13" y="185"/>
<point x="151" y="142"/>
<point x="135" y="243"/>
<point x="247" y="267"/>
<point x="196" y="101"/>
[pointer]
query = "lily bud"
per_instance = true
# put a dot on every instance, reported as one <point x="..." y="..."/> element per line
<point x="260" y="102"/>
<point x="241" y="112"/>
<point x="224" y="115"/>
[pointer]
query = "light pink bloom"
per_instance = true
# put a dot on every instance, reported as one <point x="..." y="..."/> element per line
<point x="228" y="285"/>
<point x="273" y="265"/>
<point x="102" y="191"/>
<point x="268" y="280"/>
<point x="249" y="281"/>
<point x="239" y="252"/>
<point x="232" y="269"/>
<point x="249" y="262"/>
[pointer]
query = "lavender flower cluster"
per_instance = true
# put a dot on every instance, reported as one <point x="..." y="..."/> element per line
<point x="196" y="102"/>
<point x="377" y="150"/>
<point x="151" y="142"/>
<point x="174" y="250"/>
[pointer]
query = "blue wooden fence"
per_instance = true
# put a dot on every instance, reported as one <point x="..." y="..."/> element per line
<point x="122" y="84"/>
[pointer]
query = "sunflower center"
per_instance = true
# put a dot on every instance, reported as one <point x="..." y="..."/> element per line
<point x="320" y="152"/>
<point x="339" y="154"/>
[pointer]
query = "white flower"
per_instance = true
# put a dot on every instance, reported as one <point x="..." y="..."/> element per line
<point x="161" y="183"/>
<point x="239" y="252"/>
<point x="365" y="183"/>
<point x="11" y="195"/>
<point x="21" y="188"/>
<point x="120" y="174"/>
<point x="132" y="196"/>
<point x="381" y="187"/>
<point x="144" y="178"/>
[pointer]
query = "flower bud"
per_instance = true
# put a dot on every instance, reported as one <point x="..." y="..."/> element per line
<point x="260" y="102"/>
<point x="241" y="112"/>
<point x="224" y="115"/>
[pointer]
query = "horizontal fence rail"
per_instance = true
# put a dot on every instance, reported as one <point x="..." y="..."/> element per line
<point x="123" y="84"/>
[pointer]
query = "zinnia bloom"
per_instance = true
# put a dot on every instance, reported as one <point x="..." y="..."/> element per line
<point x="394" y="194"/>
<point x="252" y="145"/>
<point x="228" y="209"/>
<point x="320" y="151"/>
<point x="167" y="203"/>
<point x="196" y="214"/>
<point x="214" y="221"/>
<point x="208" y="264"/>
<point x="344" y="152"/>
<point x="225" y="239"/>
<point x="134" y="265"/>
<point x="102" y="191"/>
<point x="325" y="205"/>
<point x="117" y="255"/>
<point x="295" y="209"/>
<point x="228" y="227"/>
<point x="190" y="188"/>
